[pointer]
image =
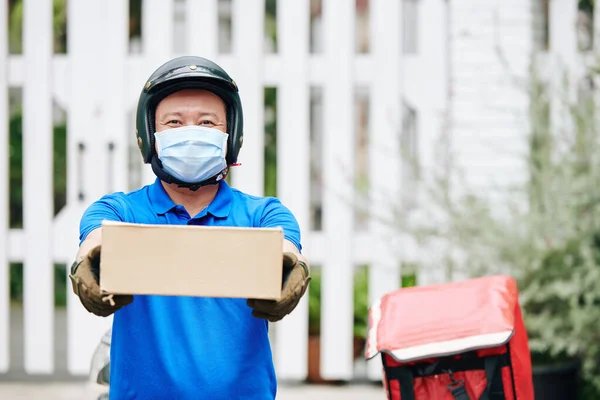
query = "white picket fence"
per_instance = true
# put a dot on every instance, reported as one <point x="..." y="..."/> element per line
<point x="98" y="81"/>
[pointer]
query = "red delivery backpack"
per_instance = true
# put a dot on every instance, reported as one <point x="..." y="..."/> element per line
<point x="452" y="341"/>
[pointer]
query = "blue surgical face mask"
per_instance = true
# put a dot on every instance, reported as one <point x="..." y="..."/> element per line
<point x="192" y="153"/>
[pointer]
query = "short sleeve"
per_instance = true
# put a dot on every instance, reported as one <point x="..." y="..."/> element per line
<point x="275" y="214"/>
<point x="106" y="208"/>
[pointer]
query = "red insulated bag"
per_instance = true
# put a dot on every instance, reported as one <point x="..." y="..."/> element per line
<point x="453" y="341"/>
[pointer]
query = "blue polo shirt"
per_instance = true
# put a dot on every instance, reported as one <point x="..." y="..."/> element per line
<point x="187" y="347"/>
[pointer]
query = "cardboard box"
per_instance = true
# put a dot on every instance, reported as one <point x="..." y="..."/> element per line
<point x="187" y="260"/>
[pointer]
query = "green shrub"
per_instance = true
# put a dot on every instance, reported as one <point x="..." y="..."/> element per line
<point x="543" y="230"/>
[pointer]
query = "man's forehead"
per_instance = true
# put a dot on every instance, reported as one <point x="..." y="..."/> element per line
<point x="195" y="92"/>
<point x="195" y="96"/>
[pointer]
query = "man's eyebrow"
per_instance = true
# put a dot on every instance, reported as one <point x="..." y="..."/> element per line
<point x="172" y="114"/>
<point x="178" y="114"/>
<point x="208" y="113"/>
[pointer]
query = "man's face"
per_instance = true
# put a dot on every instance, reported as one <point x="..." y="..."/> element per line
<point x="191" y="107"/>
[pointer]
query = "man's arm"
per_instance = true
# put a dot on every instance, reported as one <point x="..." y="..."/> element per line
<point x="109" y="207"/>
<point x="93" y="239"/>
<point x="85" y="270"/>
<point x="274" y="215"/>
<point x="295" y="265"/>
<point x="291" y="248"/>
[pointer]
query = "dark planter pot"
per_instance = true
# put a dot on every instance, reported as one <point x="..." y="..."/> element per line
<point x="556" y="382"/>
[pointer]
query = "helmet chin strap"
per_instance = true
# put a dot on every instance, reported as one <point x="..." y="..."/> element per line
<point x="165" y="177"/>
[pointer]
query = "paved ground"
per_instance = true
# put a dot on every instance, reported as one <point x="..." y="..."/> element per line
<point x="79" y="391"/>
<point x="12" y="385"/>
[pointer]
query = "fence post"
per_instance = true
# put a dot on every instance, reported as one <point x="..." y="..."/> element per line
<point x="385" y="159"/>
<point x="202" y="28"/>
<point x="429" y="81"/>
<point x="117" y="138"/>
<point x="338" y="190"/>
<point x="87" y="123"/>
<point x="4" y="199"/>
<point x="293" y="166"/>
<point x="38" y="269"/>
<point x="247" y="45"/>
<point x="157" y="45"/>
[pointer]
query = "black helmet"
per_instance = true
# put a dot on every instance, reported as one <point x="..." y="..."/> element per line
<point x="188" y="72"/>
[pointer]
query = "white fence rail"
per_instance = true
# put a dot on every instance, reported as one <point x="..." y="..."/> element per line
<point x="97" y="82"/>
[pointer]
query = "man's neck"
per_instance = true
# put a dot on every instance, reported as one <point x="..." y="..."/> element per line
<point x="193" y="202"/>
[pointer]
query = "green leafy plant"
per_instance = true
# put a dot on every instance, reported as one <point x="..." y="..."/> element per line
<point x="543" y="230"/>
<point x="59" y="25"/>
<point x="314" y="302"/>
<point x="361" y="302"/>
<point x="361" y="299"/>
<point x="16" y="199"/>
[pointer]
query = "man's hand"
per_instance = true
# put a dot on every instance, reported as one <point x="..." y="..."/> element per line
<point x="85" y="281"/>
<point x="295" y="281"/>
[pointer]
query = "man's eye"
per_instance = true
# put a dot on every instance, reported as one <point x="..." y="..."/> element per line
<point x="173" y="121"/>
<point x="206" y="122"/>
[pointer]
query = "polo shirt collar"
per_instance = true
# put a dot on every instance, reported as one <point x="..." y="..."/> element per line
<point x="221" y="204"/>
<point x="160" y="200"/>
<point x="219" y="207"/>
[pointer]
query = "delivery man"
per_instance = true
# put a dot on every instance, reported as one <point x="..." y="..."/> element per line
<point x="190" y="129"/>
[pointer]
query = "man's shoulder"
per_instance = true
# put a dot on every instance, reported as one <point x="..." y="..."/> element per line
<point x="123" y="197"/>
<point x="256" y="202"/>
<point x="118" y="203"/>
<point x="240" y="195"/>
<point x="115" y="206"/>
